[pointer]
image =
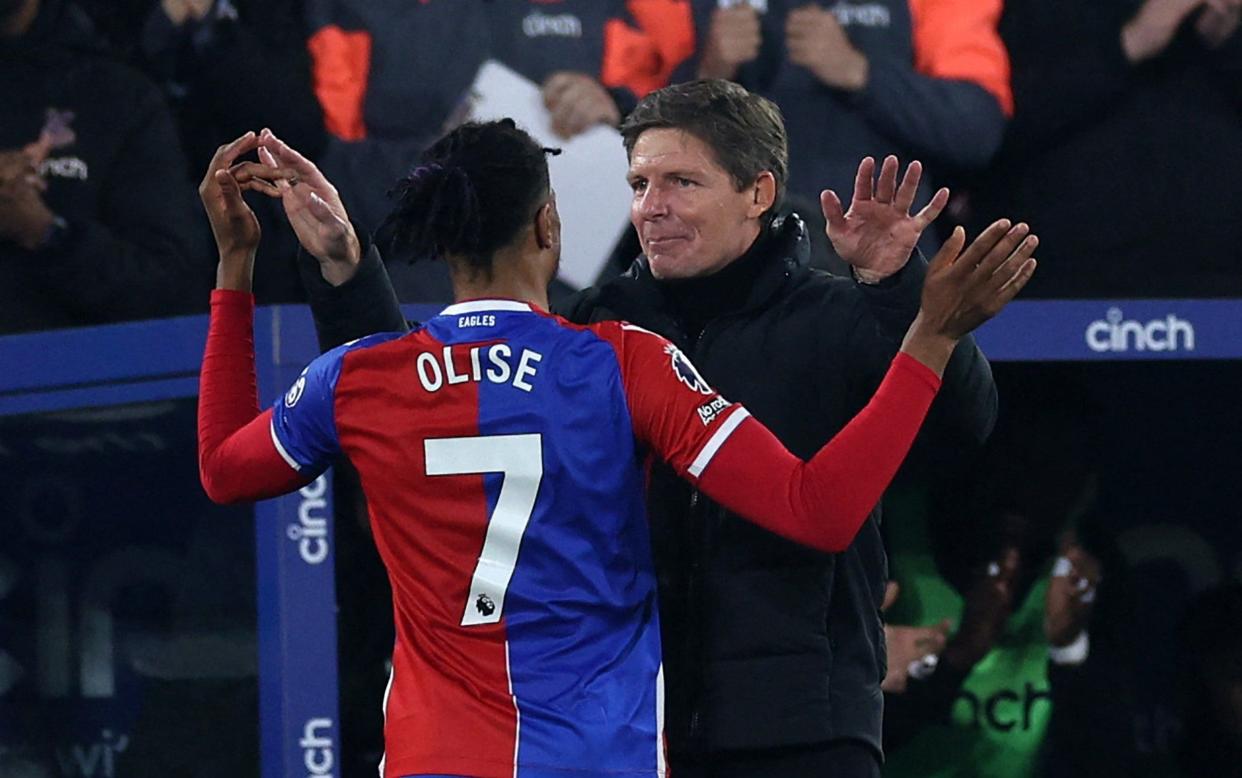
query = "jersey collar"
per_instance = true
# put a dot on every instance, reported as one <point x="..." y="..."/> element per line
<point x="477" y="306"/>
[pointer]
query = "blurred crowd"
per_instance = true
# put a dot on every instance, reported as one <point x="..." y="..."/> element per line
<point x="1113" y="127"/>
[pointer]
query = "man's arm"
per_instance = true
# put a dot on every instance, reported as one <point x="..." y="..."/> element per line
<point x="361" y="305"/>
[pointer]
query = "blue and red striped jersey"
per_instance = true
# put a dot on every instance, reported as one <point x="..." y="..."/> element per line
<point x="502" y="451"/>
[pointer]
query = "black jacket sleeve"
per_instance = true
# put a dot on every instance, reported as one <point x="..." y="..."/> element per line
<point x="363" y="305"/>
<point x="139" y="254"/>
<point x="965" y="410"/>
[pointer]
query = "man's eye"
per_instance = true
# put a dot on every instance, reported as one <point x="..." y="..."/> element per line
<point x="684" y="182"/>
<point x="638" y="186"/>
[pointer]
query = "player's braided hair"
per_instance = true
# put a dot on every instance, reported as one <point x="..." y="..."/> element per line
<point x="471" y="194"/>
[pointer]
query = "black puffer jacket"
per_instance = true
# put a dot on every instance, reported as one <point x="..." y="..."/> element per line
<point x="768" y="643"/>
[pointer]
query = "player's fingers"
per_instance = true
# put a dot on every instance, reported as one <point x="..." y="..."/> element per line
<point x="230" y="192"/>
<point x="270" y="161"/>
<point x="287" y="154"/>
<point x="949" y="251"/>
<point x="226" y="154"/>
<point x="1024" y="251"/>
<point x="1015" y="284"/>
<point x="321" y="211"/>
<point x="863" y="180"/>
<point x="261" y="186"/>
<point x="982" y="244"/>
<point x="1017" y="239"/>
<point x="904" y="199"/>
<point x="930" y="212"/>
<point x="244" y="171"/>
<point x="887" y="184"/>
<point x="223" y="157"/>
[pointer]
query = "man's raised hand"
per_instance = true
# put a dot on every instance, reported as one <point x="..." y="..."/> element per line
<point x="877" y="235"/>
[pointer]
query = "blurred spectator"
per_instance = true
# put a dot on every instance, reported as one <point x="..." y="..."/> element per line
<point x="1124" y="145"/>
<point x="225" y="67"/>
<point x="389" y="84"/>
<point x="997" y="560"/>
<point x="97" y="219"/>
<point x="921" y="79"/>
<point x="1212" y="693"/>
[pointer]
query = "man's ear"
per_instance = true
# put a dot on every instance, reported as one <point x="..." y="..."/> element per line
<point x="763" y="193"/>
<point x="548" y="225"/>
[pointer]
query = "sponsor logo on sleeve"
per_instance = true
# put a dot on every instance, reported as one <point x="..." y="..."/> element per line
<point x="709" y="411"/>
<point x="295" y="392"/>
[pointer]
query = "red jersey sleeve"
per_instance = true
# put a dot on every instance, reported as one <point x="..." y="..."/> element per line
<point x="740" y="464"/>
<point x="673" y="409"/>
<point x="237" y="456"/>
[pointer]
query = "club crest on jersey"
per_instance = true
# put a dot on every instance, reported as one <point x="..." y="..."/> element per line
<point x="295" y="392"/>
<point x="485" y="605"/>
<point x="685" y="371"/>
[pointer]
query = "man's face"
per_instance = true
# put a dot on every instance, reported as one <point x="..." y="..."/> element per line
<point x="690" y="218"/>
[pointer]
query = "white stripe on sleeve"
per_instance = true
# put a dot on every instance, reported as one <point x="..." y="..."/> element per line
<point x="280" y="447"/>
<point x="713" y="445"/>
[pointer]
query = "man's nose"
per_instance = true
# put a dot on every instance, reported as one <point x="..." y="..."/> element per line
<point x="652" y="203"/>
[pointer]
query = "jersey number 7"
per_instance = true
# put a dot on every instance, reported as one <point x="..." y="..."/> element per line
<point x="519" y="460"/>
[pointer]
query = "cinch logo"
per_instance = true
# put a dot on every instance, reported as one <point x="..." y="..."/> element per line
<point x="317" y="754"/>
<point x="1116" y="333"/>
<point x="1004" y="710"/>
<point x="65" y="167"/>
<point x="539" y="25"/>
<point x="311" y="531"/>
<point x="862" y="15"/>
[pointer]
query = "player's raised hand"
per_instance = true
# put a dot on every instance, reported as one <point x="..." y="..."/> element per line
<point x="877" y="235"/>
<point x="311" y="202"/>
<point x="233" y="224"/>
<point x="966" y="287"/>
